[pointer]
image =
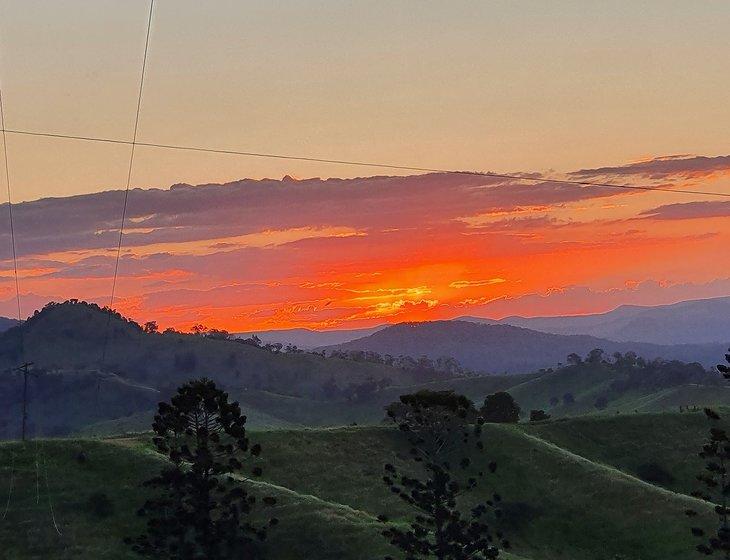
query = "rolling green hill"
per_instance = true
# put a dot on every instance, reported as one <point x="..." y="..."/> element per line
<point x="75" y="391"/>
<point x="569" y="486"/>
<point x="641" y="392"/>
<point x="77" y="384"/>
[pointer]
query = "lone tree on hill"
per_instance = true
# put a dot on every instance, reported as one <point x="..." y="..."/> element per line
<point x="500" y="408"/>
<point x="538" y="415"/>
<point x="443" y="436"/>
<point x="716" y="481"/>
<point x="432" y="414"/>
<point x="199" y="511"/>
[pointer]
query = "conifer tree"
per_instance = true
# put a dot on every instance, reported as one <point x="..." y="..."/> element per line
<point x="715" y="480"/>
<point x="199" y="511"/>
<point x="444" y="436"/>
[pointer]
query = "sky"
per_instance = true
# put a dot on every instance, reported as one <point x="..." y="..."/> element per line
<point x="621" y="92"/>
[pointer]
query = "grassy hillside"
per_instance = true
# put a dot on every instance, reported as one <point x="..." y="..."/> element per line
<point x="586" y="383"/>
<point x="565" y="494"/>
<point x="651" y="387"/>
<point x="307" y="412"/>
<point x="629" y="442"/>
<point x="62" y="401"/>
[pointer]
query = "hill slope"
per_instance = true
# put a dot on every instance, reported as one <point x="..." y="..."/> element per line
<point x="688" y="322"/>
<point x="66" y="344"/>
<point x="559" y="503"/>
<point x="504" y="348"/>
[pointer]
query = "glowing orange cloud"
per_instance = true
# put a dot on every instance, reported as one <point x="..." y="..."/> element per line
<point x="334" y="254"/>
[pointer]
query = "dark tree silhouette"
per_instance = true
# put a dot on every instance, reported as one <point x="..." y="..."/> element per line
<point x="432" y="414"/>
<point x="574" y="359"/>
<point x="538" y="415"/>
<point x="199" y="511"/>
<point x="716" y="483"/>
<point x="595" y="356"/>
<point x="501" y="408"/>
<point x="442" y="442"/>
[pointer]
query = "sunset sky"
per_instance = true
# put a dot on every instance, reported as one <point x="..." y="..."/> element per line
<point x="610" y="92"/>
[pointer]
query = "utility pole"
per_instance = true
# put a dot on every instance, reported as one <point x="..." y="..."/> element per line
<point x="24" y="370"/>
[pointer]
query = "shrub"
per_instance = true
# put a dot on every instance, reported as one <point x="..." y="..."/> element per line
<point x="500" y="408"/>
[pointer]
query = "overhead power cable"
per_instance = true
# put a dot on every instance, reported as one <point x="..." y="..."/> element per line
<point x="12" y="225"/>
<point x="363" y="163"/>
<point x="133" y="144"/>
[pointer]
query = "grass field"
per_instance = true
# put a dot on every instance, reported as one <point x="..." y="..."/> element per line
<point x="569" y="486"/>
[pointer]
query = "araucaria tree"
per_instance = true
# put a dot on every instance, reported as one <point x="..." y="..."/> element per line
<point x="445" y="450"/>
<point x="716" y="482"/>
<point x="198" y="510"/>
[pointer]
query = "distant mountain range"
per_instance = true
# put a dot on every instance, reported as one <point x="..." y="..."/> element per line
<point x="498" y="348"/>
<point x="76" y="389"/>
<point x="700" y="321"/>
<point x="703" y="321"/>
<point x="308" y="339"/>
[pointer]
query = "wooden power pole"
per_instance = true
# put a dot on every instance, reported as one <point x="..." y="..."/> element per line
<point x="24" y="370"/>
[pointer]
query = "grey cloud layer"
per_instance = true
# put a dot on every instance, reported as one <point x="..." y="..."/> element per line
<point x="189" y="213"/>
<point x="662" y="168"/>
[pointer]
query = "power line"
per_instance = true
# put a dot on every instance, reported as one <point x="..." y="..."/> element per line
<point x="361" y="163"/>
<point x="131" y="155"/>
<point x="10" y="486"/>
<point x="133" y="143"/>
<point x="12" y="225"/>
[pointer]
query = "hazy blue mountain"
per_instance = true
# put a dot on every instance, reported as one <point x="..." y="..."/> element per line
<point x="308" y="338"/>
<point x="688" y="322"/>
<point x="6" y="323"/>
<point x="508" y="349"/>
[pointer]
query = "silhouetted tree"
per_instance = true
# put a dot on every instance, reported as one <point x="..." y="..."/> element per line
<point x="574" y="359"/>
<point x="433" y="414"/>
<point x="442" y="442"/>
<point x="198" y="510"/>
<point x="151" y="327"/>
<point x="716" y="482"/>
<point x="251" y="341"/>
<point x="500" y="407"/>
<point x="595" y="356"/>
<point x="538" y="415"/>
<point x="217" y="334"/>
